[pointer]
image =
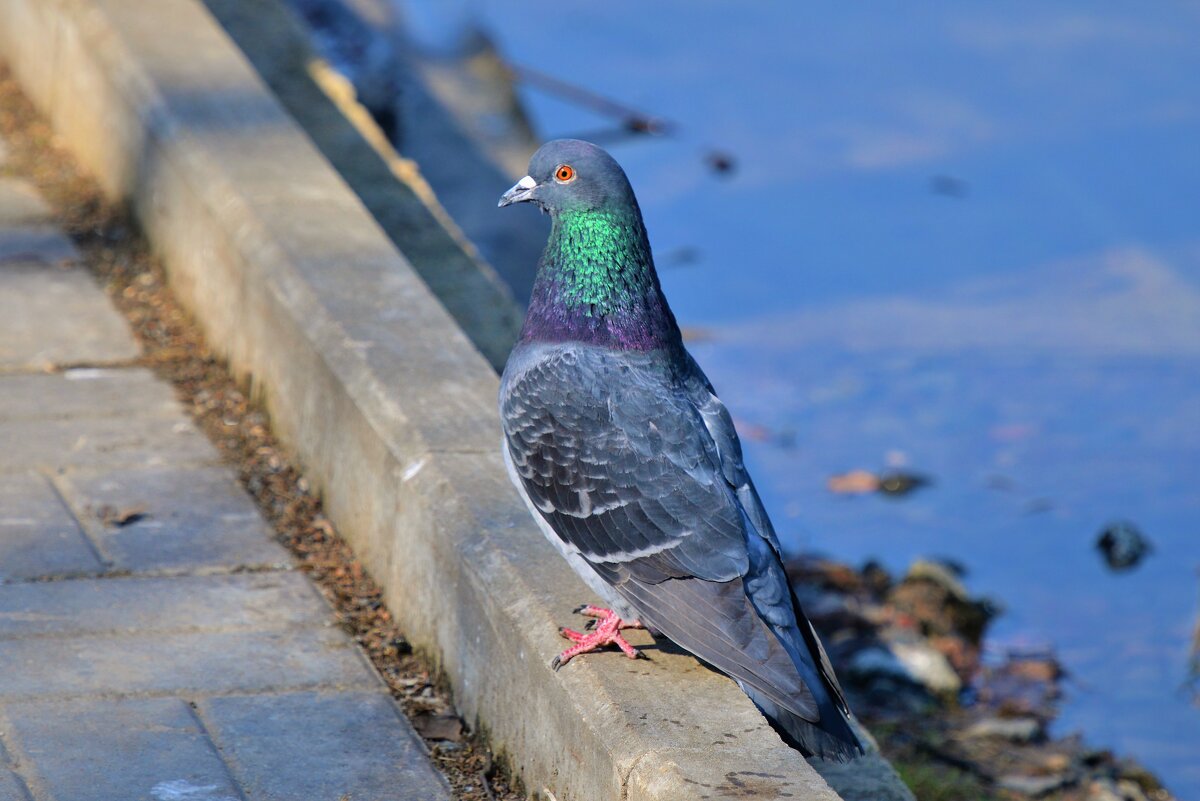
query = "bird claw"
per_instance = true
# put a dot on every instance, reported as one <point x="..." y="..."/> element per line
<point x="604" y="629"/>
<point x="599" y="614"/>
<point x="570" y="634"/>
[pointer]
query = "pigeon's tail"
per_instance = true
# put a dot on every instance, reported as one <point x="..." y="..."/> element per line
<point x="831" y="737"/>
<point x="808" y="738"/>
<point x="717" y="622"/>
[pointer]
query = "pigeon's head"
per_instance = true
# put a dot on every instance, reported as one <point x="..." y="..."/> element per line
<point x="570" y="175"/>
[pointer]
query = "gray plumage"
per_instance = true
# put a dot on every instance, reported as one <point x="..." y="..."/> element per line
<point x="632" y="466"/>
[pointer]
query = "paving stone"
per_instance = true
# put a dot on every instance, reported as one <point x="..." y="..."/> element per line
<point x="270" y="600"/>
<point x="87" y="392"/>
<point x="20" y="204"/>
<point x="151" y="749"/>
<point x="83" y="442"/>
<point x="355" y="745"/>
<point x="188" y="517"/>
<point x="53" y="315"/>
<point x="177" y="663"/>
<point x="38" y="536"/>
<point x="11" y="787"/>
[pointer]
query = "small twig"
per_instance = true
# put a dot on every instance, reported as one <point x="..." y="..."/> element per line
<point x="487" y="787"/>
<point x="632" y="120"/>
<point x="605" y="137"/>
<point x="1191" y="682"/>
<point x="935" y="752"/>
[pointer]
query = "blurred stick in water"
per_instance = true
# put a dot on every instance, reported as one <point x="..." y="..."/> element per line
<point x="632" y="120"/>
<point x="1192" y="682"/>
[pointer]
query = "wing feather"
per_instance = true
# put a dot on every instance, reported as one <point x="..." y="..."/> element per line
<point x="623" y="476"/>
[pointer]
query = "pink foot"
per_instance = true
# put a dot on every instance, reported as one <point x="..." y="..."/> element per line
<point x="602" y="613"/>
<point x="607" y="631"/>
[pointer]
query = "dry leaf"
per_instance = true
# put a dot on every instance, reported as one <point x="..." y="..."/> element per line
<point x="121" y="516"/>
<point x="856" y="482"/>
<point x="438" y="727"/>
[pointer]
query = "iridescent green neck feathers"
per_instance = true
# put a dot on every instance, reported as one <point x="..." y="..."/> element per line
<point x="600" y="259"/>
<point x="596" y="283"/>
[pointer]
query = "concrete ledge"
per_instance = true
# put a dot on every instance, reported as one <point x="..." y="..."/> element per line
<point x="385" y="401"/>
<point x="390" y="186"/>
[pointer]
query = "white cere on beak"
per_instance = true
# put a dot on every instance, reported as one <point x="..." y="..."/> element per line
<point x="522" y="190"/>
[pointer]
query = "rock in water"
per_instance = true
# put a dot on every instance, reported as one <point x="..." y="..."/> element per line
<point x="1123" y="545"/>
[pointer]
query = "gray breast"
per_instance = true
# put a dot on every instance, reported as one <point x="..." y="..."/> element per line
<point x="598" y="585"/>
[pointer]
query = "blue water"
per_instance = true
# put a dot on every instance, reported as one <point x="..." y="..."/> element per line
<point x="1030" y="339"/>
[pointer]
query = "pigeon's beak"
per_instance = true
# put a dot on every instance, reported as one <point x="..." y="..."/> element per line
<point x="521" y="191"/>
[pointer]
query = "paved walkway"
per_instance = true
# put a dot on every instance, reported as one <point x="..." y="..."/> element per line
<point x="175" y="657"/>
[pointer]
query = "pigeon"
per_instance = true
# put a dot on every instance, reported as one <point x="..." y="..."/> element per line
<point x="632" y="468"/>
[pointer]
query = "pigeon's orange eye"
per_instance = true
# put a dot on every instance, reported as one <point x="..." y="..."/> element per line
<point x="564" y="173"/>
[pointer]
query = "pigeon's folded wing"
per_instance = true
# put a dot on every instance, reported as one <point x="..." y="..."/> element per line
<point x="626" y="476"/>
<point x="631" y="478"/>
<point x="639" y="470"/>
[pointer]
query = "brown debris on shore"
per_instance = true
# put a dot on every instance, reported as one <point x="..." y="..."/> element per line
<point x="910" y="656"/>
